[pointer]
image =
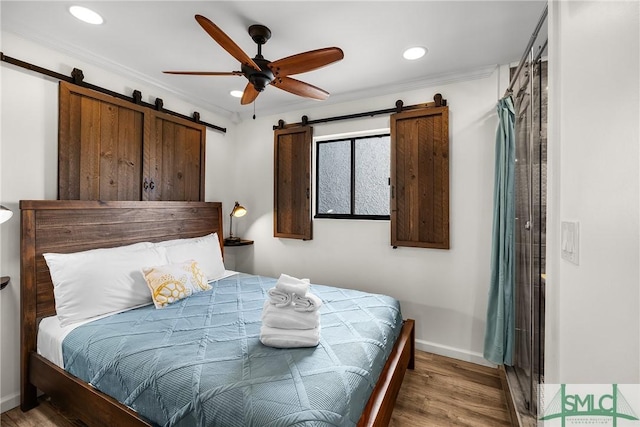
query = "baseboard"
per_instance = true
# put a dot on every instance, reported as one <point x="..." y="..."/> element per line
<point x="455" y="353"/>
<point x="9" y="402"/>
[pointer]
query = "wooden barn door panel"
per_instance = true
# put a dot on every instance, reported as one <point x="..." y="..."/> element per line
<point x="100" y="147"/>
<point x="292" y="183"/>
<point x="420" y="178"/>
<point x="112" y="149"/>
<point x="174" y="160"/>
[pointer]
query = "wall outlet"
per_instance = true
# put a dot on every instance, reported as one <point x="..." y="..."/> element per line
<point x="570" y="241"/>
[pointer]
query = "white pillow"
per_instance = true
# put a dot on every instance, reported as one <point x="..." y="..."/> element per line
<point x="204" y="250"/>
<point x="100" y="281"/>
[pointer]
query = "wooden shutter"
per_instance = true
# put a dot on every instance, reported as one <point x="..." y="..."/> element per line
<point x="420" y="178"/>
<point x="292" y="183"/>
<point x="100" y="141"/>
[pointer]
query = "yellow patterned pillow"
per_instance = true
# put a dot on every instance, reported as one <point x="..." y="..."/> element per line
<point x="170" y="283"/>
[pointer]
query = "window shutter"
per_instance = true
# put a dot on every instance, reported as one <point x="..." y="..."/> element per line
<point x="292" y="183"/>
<point x="420" y="178"/>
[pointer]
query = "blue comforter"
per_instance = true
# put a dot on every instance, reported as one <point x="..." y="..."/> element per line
<point x="199" y="362"/>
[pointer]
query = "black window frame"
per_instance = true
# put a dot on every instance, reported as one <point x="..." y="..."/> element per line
<point x="351" y="215"/>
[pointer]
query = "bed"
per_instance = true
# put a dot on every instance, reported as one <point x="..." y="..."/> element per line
<point x="72" y="226"/>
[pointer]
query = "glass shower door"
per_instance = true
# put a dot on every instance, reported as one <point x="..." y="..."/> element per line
<point x="530" y="101"/>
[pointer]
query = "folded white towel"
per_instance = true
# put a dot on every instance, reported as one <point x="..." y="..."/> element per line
<point x="308" y="302"/>
<point x="289" y="338"/>
<point x="279" y="298"/>
<point x="292" y="285"/>
<point x="288" y="318"/>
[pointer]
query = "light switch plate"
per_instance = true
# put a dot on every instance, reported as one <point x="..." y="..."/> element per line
<point x="570" y="241"/>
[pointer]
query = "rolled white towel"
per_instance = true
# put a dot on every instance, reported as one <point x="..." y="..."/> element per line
<point x="279" y="298"/>
<point x="289" y="338"/>
<point x="292" y="285"/>
<point x="288" y="318"/>
<point x="308" y="302"/>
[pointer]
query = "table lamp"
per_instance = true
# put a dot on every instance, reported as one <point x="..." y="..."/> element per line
<point x="238" y="211"/>
<point x="5" y="215"/>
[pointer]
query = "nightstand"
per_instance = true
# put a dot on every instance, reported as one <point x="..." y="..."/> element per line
<point x="240" y="242"/>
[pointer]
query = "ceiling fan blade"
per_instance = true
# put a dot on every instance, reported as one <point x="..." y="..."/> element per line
<point x="300" y="88"/>
<point x="306" y="61"/>
<point x="225" y="41"/>
<point x="206" y="73"/>
<point x="250" y="94"/>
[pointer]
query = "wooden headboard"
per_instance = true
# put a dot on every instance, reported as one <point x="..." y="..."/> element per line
<point x="65" y="226"/>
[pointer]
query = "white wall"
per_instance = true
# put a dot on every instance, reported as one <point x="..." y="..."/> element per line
<point x="28" y="167"/>
<point x="592" y="321"/>
<point x="445" y="291"/>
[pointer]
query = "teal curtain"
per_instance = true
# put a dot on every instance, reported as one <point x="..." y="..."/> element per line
<point x="500" y="333"/>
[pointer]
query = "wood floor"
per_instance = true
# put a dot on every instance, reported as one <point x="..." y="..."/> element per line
<point x="439" y="392"/>
<point x="448" y="392"/>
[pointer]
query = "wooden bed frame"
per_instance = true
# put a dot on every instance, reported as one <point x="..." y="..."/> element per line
<point x="65" y="226"/>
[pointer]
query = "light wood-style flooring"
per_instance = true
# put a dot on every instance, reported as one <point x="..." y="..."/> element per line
<point x="439" y="392"/>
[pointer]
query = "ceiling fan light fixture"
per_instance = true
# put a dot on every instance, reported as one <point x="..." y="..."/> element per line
<point x="236" y="93"/>
<point x="415" y="52"/>
<point x="86" y="15"/>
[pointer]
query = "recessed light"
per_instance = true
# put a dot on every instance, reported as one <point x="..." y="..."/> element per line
<point x="86" y="15"/>
<point x="416" y="52"/>
<point x="236" y="93"/>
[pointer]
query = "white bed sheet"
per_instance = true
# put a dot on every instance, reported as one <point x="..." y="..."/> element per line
<point x="51" y="334"/>
<point x="50" y="337"/>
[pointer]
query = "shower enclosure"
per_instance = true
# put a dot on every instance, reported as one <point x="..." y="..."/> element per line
<point x="530" y="101"/>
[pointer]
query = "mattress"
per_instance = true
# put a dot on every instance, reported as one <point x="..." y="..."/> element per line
<point x="199" y="362"/>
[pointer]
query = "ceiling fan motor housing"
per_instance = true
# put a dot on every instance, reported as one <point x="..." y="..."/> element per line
<point x="259" y="79"/>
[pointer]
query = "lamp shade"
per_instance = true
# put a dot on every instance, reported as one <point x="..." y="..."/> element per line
<point x="238" y="210"/>
<point x="5" y="214"/>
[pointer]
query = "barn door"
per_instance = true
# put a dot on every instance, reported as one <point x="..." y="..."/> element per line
<point x="292" y="183"/>
<point x="420" y="178"/>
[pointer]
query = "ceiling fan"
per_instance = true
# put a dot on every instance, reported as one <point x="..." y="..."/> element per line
<point x="261" y="72"/>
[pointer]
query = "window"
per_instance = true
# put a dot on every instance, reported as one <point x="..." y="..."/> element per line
<point x="353" y="178"/>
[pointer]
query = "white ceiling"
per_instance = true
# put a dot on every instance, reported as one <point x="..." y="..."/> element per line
<point x="142" y="38"/>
